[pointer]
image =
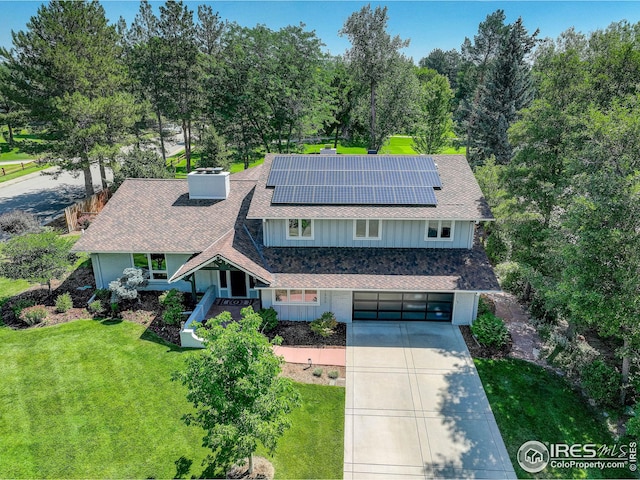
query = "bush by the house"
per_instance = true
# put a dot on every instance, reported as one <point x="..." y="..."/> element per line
<point x="96" y="307"/>
<point x="633" y="424"/>
<point x="64" y="302"/>
<point x="485" y="305"/>
<point x="333" y="374"/>
<point x="172" y="301"/>
<point x="490" y="331"/>
<point x="511" y="276"/>
<point x="325" y="325"/>
<point x="269" y="319"/>
<point x="126" y="287"/>
<point x="602" y="383"/>
<point x="317" y="372"/>
<point x="33" y="315"/>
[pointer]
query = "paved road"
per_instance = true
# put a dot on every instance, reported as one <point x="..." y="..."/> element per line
<point x="415" y="406"/>
<point x="46" y="195"/>
<point x="43" y="194"/>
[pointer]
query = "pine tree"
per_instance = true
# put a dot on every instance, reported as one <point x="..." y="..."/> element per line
<point x="66" y="73"/>
<point x="509" y="88"/>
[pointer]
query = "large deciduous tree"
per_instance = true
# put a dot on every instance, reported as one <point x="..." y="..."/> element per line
<point x="433" y="123"/>
<point x="241" y="401"/>
<point x="373" y="56"/>
<point x="65" y="71"/>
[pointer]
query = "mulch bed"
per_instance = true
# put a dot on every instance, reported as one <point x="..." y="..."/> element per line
<point x="478" y="351"/>
<point x="300" y="335"/>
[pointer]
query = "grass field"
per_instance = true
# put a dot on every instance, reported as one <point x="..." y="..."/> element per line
<point x="531" y="403"/>
<point x="9" y="288"/>
<point x="91" y="399"/>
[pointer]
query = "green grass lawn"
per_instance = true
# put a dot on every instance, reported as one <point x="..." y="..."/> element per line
<point x="16" y="171"/>
<point x="530" y="403"/>
<point x="94" y="400"/>
<point x="7" y="153"/>
<point x="9" y="288"/>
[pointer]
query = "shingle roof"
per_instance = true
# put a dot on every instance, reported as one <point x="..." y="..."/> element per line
<point x="460" y="198"/>
<point x="152" y="215"/>
<point x="370" y="268"/>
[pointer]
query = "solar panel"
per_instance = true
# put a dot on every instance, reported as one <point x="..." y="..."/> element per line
<point x="354" y="179"/>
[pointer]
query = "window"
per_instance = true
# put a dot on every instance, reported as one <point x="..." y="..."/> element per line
<point x="439" y="230"/>
<point x="300" y="229"/>
<point x="155" y="264"/>
<point x="366" y="230"/>
<point x="295" y="295"/>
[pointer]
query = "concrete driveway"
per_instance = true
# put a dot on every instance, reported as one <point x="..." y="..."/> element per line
<point x="415" y="406"/>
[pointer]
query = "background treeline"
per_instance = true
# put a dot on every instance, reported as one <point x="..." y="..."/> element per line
<point x="551" y="127"/>
<point x="89" y="88"/>
<point x="566" y="200"/>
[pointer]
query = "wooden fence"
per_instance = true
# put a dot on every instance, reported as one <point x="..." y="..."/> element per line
<point x="89" y="208"/>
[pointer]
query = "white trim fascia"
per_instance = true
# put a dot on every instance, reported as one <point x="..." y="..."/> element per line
<point x="457" y="219"/>
<point x="329" y="289"/>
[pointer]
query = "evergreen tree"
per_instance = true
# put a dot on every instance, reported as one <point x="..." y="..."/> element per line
<point x="65" y="71"/>
<point x="508" y="89"/>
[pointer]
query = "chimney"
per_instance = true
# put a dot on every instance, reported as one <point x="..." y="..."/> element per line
<point x="208" y="184"/>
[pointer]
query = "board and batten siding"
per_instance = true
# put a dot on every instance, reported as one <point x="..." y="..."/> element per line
<point x="338" y="302"/>
<point x="108" y="267"/>
<point x="394" y="234"/>
<point x="465" y="308"/>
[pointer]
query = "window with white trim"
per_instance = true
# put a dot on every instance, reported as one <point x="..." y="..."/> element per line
<point x="296" y="296"/>
<point x="368" y="229"/>
<point x="153" y="263"/>
<point x="439" y="230"/>
<point x="299" y="229"/>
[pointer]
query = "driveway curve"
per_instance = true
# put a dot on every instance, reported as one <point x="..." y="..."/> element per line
<point x="415" y="406"/>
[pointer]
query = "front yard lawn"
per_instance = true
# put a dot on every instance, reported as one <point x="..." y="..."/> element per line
<point x="531" y="403"/>
<point x="91" y="399"/>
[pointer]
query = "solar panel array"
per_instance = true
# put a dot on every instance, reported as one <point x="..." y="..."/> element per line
<point x="354" y="180"/>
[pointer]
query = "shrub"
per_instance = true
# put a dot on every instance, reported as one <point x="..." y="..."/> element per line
<point x="511" y="276"/>
<point x="18" y="222"/>
<point x="20" y="305"/>
<point x="633" y="424"/>
<point x="333" y="374"/>
<point x="325" y="325"/>
<point x="173" y="306"/>
<point x="317" y="372"/>
<point x="33" y="315"/>
<point x="103" y="294"/>
<point x="64" y="302"/>
<point x="126" y="287"/>
<point x="96" y="307"/>
<point x="485" y="305"/>
<point x="602" y="383"/>
<point x="490" y="331"/>
<point x="269" y="319"/>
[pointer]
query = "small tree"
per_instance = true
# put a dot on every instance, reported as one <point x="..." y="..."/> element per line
<point x="235" y="386"/>
<point x="126" y="287"/>
<point x="37" y="257"/>
<point x="213" y="150"/>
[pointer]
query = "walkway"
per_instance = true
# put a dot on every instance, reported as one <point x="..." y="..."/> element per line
<point x="415" y="406"/>
<point x="319" y="356"/>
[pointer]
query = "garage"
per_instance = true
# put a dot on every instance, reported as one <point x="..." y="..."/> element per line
<point x="412" y="306"/>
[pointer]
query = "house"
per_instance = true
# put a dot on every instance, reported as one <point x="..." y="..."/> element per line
<point x="367" y="237"/>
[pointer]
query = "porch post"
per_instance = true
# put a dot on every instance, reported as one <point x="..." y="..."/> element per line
<point x="192" y="281"/>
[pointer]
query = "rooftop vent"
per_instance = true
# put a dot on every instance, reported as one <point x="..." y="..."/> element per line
<point x="208" y="184"/>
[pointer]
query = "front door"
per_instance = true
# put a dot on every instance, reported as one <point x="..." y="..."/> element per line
<point x="238" y="283"/>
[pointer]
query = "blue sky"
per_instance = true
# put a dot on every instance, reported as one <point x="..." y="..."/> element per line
<point x="429" y="24"/>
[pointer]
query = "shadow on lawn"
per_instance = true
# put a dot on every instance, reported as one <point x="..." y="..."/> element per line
<point x="150" y="336"/>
